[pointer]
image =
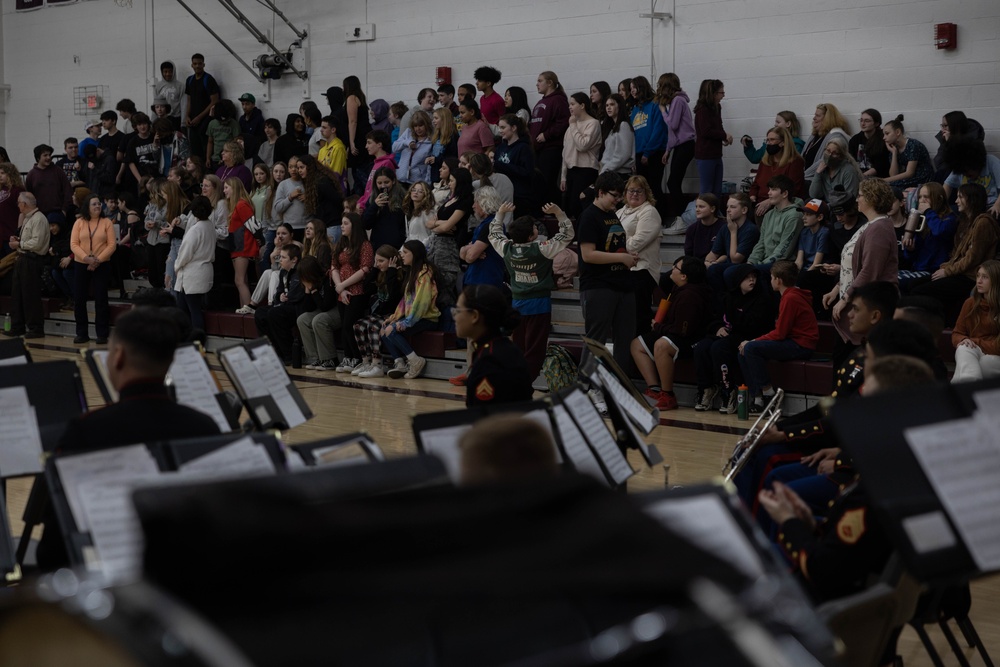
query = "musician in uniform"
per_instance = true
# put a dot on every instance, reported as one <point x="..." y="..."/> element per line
<point x="499" y="373"/>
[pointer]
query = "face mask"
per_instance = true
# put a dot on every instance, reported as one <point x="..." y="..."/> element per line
<point x="772" y="149"/>
<point x="832" y="161"/>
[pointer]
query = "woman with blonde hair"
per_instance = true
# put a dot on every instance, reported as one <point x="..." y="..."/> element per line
<point x="244" y="240"/>
<point x="641" y="222"/>
<point x="419" y="207"/>
<point x="827" y="122"/>
<point x="176" y="204"/>
<point x="976" y="335"/>
<point x="785" y="119"/>
<point x="780" y="157"/>
<point x="233" y="165"/>
<point x="444" y="140"/>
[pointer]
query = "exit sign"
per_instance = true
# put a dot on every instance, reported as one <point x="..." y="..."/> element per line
<point x="93" y="101"/>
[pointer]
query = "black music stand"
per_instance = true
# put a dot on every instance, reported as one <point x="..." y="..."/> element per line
<point x="348" y="449"/>
<point x="13" y="351"/>
<point x="269" y="394"/>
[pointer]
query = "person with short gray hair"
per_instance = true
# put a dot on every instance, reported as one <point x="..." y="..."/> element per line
<point x="32" y="245"/>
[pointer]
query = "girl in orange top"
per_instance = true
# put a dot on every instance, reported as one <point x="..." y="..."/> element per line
<point x="92" y="242"/>
<point x="976" y="336"/>
<point x="245" y="246"/>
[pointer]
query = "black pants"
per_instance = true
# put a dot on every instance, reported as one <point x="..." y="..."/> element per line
<point x="549" y="162"/>
<point x="652" y="171"/>
<point x="717" y="362"/>
<point x="349" y="314"/>
<point x="680" y="158"/>
<point x="578" y="179"/>
<point x="99" y="278"/>
<point x="643" y="287"/>
<point x="156" y="260"/>
<point x="277" y="322"/>
<point x="26" y="293"/>
<point x="194" y="306"/>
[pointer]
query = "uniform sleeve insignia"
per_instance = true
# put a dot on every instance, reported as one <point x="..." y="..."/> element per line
<point x="484" y="390"/>
<point x="851" y="526"/>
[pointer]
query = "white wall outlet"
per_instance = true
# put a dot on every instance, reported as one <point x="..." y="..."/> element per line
<point x="360" y="33"/>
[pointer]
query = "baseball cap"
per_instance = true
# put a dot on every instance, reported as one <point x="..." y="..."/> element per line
<point x="89" y="124"/>
<point x="247" y="97"/>
<point x="817" y="206"/>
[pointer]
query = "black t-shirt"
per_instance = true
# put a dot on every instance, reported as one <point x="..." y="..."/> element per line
<point x="144" y="154"/>
<point x="200" y="92"/>
<point x="112" y="143"/>
<point x="71" y="168"/>
<point x="605" y="231"/>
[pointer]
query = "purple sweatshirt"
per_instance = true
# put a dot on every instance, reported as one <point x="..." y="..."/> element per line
<point x="550" y="117"/>
<point x="680" y="122"/>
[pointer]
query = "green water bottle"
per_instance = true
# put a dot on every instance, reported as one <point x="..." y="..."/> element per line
<point x="6" y="322"/>
<point x="742" y="402"/>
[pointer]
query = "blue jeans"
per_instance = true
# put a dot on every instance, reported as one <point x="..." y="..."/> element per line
<point x="398" y="344"/>
<point x="64" y="279"/>
<point x="757" y="353"/>
<point x="710" y="175"/>
<point x="265" y="264"/>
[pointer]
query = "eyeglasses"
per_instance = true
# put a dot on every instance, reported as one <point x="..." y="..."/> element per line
<point x="616" y="195"/>
<point x="635" y="191"/>
<point x="455" y="310"/>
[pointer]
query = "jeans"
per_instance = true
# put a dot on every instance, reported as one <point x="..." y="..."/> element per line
<point x="193" y="305"/>
<point x="398" y="344"/>
<point x="64" y="279"/>
<point x="710" y="175"/>
<point x="265" y="264"/>
<point x="757" y="353"/>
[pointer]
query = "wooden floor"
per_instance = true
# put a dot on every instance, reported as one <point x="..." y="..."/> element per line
<point x="694" y="445"/>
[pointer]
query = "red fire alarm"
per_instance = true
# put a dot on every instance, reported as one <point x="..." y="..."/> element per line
<point x="946" y="36"/>
<point x="443" y="75"/>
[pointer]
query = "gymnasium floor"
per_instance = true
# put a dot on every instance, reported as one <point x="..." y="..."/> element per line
<point x="695" y="446"/>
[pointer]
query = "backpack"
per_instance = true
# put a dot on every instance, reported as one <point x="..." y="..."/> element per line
<point x="558" y="368"/>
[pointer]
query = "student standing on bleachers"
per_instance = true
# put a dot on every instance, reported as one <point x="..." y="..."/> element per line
<point x="193" y="266"/>
<point x="581" y="151"/>
<point x="794" y="336"/>
<point x="529" y="263"/>
<point x="650" y="135"/>
<point x="710" y="135"/>
<point x="676" y="111"/>
<point x="977" y="333"/>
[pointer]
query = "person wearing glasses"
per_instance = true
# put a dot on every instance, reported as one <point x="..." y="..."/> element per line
<point x="499" y="372"/>
<point x="606" y="284"/>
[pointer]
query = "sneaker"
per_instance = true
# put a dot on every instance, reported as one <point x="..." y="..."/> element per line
<point x="398" y="369"/>
<point x="666" y="402"/>
<point x="707" y="398"/>
<point x="598" y="400"/>
<point x="756" y="405"/>
<point x="372" y="371"/>
<point x="655" y="395"/>
<point x="347" y="365"/>
<point x="362" y="367"/>
<point x="244" y="310"/>
<point x="730" y="405"/>
<point x="416" y="368"/>
<point x="328" y="365"/>
<point x="313" y="365"/>
<point x="677" y="227"/>
<point x="458" y="380"/>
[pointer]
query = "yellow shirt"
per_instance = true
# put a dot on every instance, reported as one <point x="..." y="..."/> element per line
<point x="334" y="155"/>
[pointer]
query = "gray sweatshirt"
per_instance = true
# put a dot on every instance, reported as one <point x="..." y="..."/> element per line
<point x="292" y="211"/>
<point x="619" y="151"/>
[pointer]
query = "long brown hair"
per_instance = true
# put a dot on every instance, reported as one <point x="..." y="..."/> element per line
<point x="175" y="199"/>
<point x="352" y="243"/>
<point x="706" y="94"/>
<point x="991" y="268"/>
<point x="12" y="174"/>
<point x="314" y="172"/>
<point x="311" y="246"/>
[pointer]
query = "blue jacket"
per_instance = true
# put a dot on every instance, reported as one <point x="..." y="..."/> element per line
<point x="650" y="130"/>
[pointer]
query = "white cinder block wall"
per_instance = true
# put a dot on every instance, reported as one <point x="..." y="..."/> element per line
<point x="772" y="54"/>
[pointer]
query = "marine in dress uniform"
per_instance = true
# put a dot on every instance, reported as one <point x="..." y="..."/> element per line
<point x="499" y="373"/>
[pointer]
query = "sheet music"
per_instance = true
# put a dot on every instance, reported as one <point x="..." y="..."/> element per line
<point x="576" y="446"/>
<point x="108" y="466"/>
<point x="962" y="461"/>
<point x="243" y="458"/>
<point x="596" y="431"/>
<point x="637" y="412"/>
<point x="708" y="524"/>
<point x="345" y="453"/>
<point x="275" y="378"/>
<point x="541" y="417"/>
<point x="101" y="359"/>
<point x="650" y="453"/>
<point x="20" y="437"/>
<point x="929" y="532"/>
<point x="14" y="361"/>
<point x="294" y="461"/>
<point x="194" y="385"/>
<point x="443" y="443"/>
<point x="114" y="526"/>
<point x="246" y="375"/>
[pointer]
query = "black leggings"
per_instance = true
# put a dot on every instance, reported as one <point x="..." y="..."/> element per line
<point x="680" y="158"/>
<point x="652" y="171"/>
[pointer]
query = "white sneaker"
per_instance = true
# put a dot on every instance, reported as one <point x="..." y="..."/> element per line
<point x="360" y="368"/>
<point x="313" y="365"/>
<point x="416" y="368"/>
<point x="328" y="365"/>
<point x="372" y="371"/>
<point x="347" y="365"/>
<point x="244" y="310"/>
<point x="678" y="226"/>
<point x="398" y="369"/>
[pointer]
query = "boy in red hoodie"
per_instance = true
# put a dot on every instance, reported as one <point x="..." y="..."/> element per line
<point x="794" y="336"/>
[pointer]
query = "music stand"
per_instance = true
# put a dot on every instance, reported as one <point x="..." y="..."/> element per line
<point x="348" y="449"/>
<point x="13" y="352"/>
<point x="263" y="384"/>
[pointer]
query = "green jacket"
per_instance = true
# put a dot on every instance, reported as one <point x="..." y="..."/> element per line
<point x="779" y="234"/>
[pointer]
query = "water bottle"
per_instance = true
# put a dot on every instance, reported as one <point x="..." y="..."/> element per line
<point x="6" y="322"/>
<point x="742" y="402"/>
<point x="297" y="353"/>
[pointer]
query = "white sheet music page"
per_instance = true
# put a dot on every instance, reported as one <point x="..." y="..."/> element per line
<point x="637" y="412"/>
<point x="651" y="454"/>
<point x="20" y="438"/>
<point x="596" y="432"/>
<point x="962" y="461"/>
<point x="114" y="526"/>
<point x="14" y="361"/>
<point x="247" y="377"/>
<point x="443" y="443"/>
<point x="108" y="466"/>
<point x="101" y="359"/>
<point x="708" y="524"/>
<point x="274" y="376"/>
<point x="194" y="385"/>
<point x="576" y="446"/>
<point x="243" y="458"/>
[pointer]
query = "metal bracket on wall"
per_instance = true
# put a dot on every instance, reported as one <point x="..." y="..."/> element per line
<point x="254" y="31"/>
